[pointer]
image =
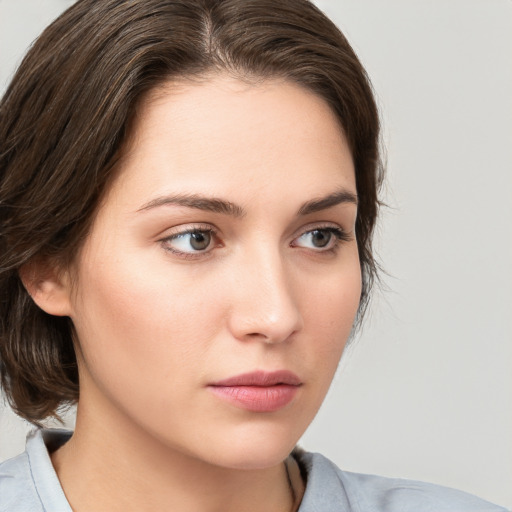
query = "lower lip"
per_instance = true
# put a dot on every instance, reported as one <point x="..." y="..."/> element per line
<point x="257" y="398"/>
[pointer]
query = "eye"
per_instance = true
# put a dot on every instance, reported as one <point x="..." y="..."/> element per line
<point x="190" y="242"/>
<point x="321" y="239"/>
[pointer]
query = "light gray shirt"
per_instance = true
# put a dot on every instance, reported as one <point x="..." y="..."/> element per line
<point x="28" y="483"/>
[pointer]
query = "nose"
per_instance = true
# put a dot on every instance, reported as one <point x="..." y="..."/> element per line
<point x="264" y="306"/>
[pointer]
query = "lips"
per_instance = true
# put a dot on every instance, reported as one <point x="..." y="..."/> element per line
<point x="258" y="391"/>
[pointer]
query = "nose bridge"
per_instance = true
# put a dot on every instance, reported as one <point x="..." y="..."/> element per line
<point x="265" y="306"/>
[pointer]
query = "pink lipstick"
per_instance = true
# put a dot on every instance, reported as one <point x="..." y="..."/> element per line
<point x="258" y="391"/>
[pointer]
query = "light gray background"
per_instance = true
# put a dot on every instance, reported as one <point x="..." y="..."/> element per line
<point x="426" y="390"/>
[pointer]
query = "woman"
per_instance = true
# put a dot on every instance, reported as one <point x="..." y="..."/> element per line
<point x="188" y="196"/>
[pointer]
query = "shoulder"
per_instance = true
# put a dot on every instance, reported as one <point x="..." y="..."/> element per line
<point x="17" y="490"/>
<point x="329" y="489"/>
<point x="28" y="482"/>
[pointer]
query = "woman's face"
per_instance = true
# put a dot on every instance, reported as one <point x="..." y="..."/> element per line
<point x="218" y="286"/>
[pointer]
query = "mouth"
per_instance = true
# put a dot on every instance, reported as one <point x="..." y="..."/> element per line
<point x="258" y="391"/>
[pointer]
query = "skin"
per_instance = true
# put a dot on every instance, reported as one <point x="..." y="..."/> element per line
<point x="155" y="325"/>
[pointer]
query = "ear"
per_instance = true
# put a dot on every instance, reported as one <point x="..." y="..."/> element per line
<point x="49" y="287"/>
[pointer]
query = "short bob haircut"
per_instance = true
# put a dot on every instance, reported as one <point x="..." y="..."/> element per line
<point x="67" y="112"/>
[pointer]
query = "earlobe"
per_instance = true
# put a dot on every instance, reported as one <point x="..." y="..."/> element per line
<point x="49" y="288"/>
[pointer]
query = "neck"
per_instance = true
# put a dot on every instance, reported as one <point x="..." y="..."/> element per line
<point x="112" y="469"/>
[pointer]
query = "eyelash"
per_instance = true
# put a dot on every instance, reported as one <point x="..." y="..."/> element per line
<point x="340" y="235"/>
<point x="203" y="229"/>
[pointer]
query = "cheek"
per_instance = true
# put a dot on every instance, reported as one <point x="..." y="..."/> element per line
<point x="140" y="317"/>
<point x="332" y="298"/>
<point x="330" y="312"/>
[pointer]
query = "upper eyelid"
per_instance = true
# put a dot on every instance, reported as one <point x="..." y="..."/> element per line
<point x="341" y="234"/>
<point x="319" y="225"/>
<point x="185" y="228"/>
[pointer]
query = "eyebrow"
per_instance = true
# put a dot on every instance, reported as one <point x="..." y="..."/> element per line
<point x="208" y="204"/>
<point x="323" y="203"/>
<point x="217" y="205"/>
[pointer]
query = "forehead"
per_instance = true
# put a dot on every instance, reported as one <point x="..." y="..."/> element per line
<point x="221" y="135"/>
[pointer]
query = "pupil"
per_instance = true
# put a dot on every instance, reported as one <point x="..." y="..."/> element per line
<point x="321" y="238"/>
<point x="199" y="240"/>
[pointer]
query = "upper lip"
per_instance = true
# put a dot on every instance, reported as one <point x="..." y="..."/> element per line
<point x="260" y="378"/>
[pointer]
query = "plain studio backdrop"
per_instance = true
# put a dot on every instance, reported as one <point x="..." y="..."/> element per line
<point x="425" y="391"/>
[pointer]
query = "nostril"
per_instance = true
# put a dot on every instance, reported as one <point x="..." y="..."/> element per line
<point x="259" y="336"/>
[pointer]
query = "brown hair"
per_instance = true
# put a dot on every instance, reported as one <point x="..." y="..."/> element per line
<point x="67" y="112"/>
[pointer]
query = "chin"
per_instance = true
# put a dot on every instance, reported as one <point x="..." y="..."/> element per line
<point x="255" y="448"/>
<point x="251" y="460"/>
